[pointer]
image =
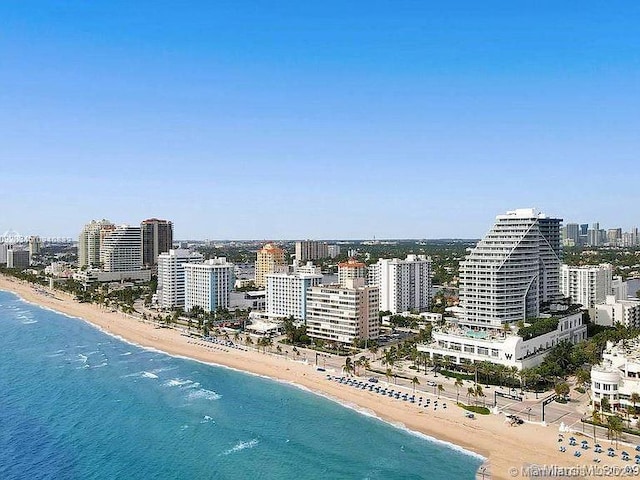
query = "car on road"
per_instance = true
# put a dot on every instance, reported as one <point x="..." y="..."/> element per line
<point x="373" y="380"/>
<point x="431" y="383"/>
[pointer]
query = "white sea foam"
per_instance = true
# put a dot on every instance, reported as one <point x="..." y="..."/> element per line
<point x="29" y="322"/>
<point x="177" y="382"/>
<point x="103" y="364"/>
<point x="204" y="393"/>
<point x="207" y="419"/>
<point x="125" y="354"/>
<point x="82" y="358"/>
<point x="148" y="375"/>
<point x="241" y="446"/>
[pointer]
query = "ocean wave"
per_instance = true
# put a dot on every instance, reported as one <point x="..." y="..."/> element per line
<point x="241" y="446"/>
<point x="205" y="394"/>
<point x="178" y="382"/>
<point x="125" y="354"/>
<point x="29" y="322"/>
<point x="148" y="375"/>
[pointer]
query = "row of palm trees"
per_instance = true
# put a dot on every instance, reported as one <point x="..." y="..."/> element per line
<point x="350" y="366"/>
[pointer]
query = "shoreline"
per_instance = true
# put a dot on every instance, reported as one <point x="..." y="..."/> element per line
<point x="501" y="448"/>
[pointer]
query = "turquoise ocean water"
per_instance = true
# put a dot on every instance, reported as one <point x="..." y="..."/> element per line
<point x="76" y="403"/>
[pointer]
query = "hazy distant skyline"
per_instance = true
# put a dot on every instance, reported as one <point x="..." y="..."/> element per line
<point x="285" y="120"/>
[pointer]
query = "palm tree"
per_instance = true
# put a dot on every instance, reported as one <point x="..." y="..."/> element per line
<point x="595" y="417"/>
<point x="440" y="389"/>
<point x="364" y="362"/>
<point x="357" y="364"/>
<point x="388" y="374"/>
<point x="562" y="389"/>
<point x="635" y="398"/>
<point x="614" y="428"/>
<point x="348" y="366"/>
<point x="414" y="382"/>
<point x="515" y="374"/>
<point x="373" y="349"/>
<point x="479" y="392"/>
<point x="458" y="384"/>
<point x="471" y="392"/>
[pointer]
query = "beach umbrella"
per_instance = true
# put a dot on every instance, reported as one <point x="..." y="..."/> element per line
<point x="584" y="441"/>
<point x="597" y="445"/>
<point x="625" y="454"/>
<point x="637" y="448"/>
<point x="610" y="449"/>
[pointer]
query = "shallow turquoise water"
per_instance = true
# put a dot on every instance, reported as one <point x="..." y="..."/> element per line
<point x="76" y="403"/>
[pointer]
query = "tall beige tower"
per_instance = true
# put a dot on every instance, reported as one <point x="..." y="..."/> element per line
<point x="270" y="259"/>
<point x="90" y="240"/>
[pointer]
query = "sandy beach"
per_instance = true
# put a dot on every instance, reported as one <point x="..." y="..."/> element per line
<point x="507" y="449"/>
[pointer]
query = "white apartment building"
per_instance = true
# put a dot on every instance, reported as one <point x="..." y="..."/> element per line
<point x="587" y="285"/>
<point x="350" y="270"/>
<point x="121" y="249"/>
<point x="337" y="313"/>
<point x="512" y="275"/>
<point x="512" y="270"/>
<point x="171" y="283"/>
<point x="308" y="267"/>
<point x="404" y="285"/>
<point x="617" y="377"/>
<point x="613" y="312"/>
<point x="333" y="250"/>
<point x="209" y="284"/>
<point x="286" y="294"/>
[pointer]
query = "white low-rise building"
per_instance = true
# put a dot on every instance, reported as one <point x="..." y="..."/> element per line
<point x="587" y="285"/>
<point x="618" y="375"/>
<point x="94" y="275"/>
<point x="618" y="312"/>
<point x="465" y="346"/>
<point x="59" y="269"/>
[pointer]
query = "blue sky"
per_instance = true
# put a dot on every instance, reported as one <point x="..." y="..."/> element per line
<point x="254" y="119"/>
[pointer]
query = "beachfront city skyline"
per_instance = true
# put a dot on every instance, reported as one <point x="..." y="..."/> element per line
<point x="246" y="121"/>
